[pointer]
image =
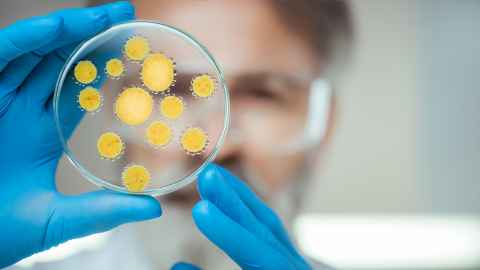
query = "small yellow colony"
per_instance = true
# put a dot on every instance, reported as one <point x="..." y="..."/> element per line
<point x="137" y="48"/>
<point x="90" y="99"/>
<point x="85" y="72"/>
<point x="158" y="134"/>
<point x="134" y="106"/>
<point x="194" y="140"/>
<point x="110" y="145"/>
<point x="114" y="68"/>
<point x="158" y="72"/>
<point x="203" y="86"/>
<point x="171" y="107"/>
<point x="135" y="178"/>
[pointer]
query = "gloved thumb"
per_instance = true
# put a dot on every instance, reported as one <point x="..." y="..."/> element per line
<point x="94" y="212"/>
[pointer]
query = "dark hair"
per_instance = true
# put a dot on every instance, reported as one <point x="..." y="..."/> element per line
<point x="325" y="24"/>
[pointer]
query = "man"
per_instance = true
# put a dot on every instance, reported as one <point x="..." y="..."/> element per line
<point x="273" y="52"/>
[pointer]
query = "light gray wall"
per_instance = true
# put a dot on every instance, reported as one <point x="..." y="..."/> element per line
<point x="408" y="137"/>
<point x="449" y="104"/>
<point x="370" y="166"/>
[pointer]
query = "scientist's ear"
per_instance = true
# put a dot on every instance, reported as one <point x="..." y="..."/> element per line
<point x="331" y="120"/>
<point x="322" y="114"/>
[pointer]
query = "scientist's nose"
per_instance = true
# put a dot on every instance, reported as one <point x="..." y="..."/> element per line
<point x="231" y="149"/>
<point x="231" y="146"/>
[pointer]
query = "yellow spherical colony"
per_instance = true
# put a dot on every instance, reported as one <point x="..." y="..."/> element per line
<point x="194" y="140"/>
<point x="134" y="106"/>
<point x="137" y="48"/>
<point x="171" y="107"/>
<point x="158" y="72"/>
<point x="89" y="99"/>
<point x="85" y="72"/>
<point x="114" y="68"/>
<point x="110" y="145"/>
<point x="135" y="178"/>
<point x="203" y="86"/>
<point x="158" y="134"/>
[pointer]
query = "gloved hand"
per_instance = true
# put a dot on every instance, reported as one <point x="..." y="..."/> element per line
<point x="240" y="224"/>
<point x="33" y="215"/>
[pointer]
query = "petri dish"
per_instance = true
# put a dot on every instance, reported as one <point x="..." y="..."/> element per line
<point x="141" y="108"/>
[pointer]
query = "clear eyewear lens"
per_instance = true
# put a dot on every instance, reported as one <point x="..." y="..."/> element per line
<point x="283" y="129"/>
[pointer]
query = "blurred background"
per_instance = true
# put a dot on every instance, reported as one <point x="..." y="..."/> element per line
<point x="398" y="188"/>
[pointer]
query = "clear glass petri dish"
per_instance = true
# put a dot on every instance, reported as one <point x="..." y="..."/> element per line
<point x="141" y="108"/>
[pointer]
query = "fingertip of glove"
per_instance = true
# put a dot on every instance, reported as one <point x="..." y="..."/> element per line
<point x="201" y="211"/>
<point x="121" y="11"/>
<point x="134" y="207"/>
<point x="208" y="179"/>
<point x="149" y="207"/>
<point x="184" y="266"/>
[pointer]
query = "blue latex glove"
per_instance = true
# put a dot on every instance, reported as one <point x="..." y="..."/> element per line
<point x="238" y="222"/>
<point x="33" y="215"/>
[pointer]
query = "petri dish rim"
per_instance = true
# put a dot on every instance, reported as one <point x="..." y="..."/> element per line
<point x="179" y="183"/>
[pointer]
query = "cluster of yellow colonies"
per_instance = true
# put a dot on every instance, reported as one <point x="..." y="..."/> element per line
<point x="134" y="105"/>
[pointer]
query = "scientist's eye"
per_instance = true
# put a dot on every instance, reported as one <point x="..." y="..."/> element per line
<point x="259" y="93"/>
<point x="259" y="87"/>
<point x="262" y="93"/>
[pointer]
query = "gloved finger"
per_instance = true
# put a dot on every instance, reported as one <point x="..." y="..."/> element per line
<point x="82" y="23"/>
<point x="263" y="213"/>
<point x="184" y="266"/>
<point x="238" y="243"/>
<point x="27" y="35"/>
<point x="14" y="75"/>
<point x="94" y="212"/>
<point x="213" y="187"/>
<point x="41" y="82"/>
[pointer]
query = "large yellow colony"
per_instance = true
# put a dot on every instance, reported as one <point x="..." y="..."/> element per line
<point x="134" y="106"/>
<point x="158" y="72"/>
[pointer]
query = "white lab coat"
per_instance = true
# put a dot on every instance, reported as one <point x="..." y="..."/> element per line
<point x="150" y="245"/>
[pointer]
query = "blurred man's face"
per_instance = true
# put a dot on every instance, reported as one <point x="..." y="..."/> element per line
<point x="268" y="70"/>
